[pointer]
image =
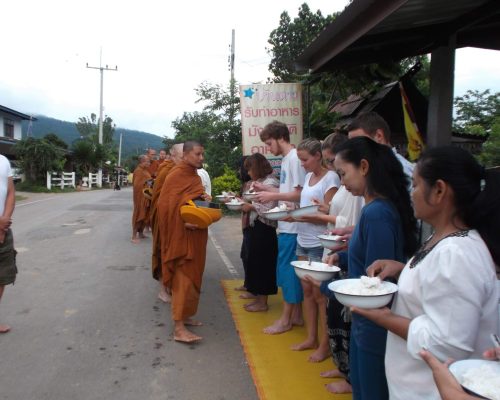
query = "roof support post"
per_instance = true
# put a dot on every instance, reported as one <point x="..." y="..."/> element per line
<point x="439" y="116"/>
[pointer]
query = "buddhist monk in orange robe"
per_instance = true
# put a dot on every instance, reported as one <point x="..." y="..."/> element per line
<point x="162" y="173"/>
<point x="183" y="245"/>
<point x="163" y="157"/>
<point x="153" y="162"/>
<point x="140" y="214"/>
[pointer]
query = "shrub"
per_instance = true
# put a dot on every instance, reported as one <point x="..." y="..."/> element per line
<point x="228" y="182"/>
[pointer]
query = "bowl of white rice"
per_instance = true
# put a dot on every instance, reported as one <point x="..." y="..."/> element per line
<point x="317" y="270"/>
<point x="365" y="292"/>
<point x="234" y="205"/>
<point x="331" y="241"/>
<point x="478" y="377"/>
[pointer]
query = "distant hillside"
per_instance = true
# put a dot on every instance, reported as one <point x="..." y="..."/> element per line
<point x="133" y="142"/>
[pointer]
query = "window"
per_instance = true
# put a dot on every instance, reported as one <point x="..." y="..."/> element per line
<point x="8" y="128"/>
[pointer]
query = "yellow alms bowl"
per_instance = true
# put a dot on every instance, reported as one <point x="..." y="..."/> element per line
<point x="195" y="215"/>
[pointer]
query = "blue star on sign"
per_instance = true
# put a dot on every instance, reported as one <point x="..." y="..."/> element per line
<point x="249" y="92"/>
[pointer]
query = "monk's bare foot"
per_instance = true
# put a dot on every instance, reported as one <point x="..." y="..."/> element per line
<point x="339" y="387"/>
<point x="185" y="336"/>
<point x="332" y="373"/>
<point x="135" y="240"/>
<point x="298" y="322"/>
<point x="247" y="296"/>
<point x="192" y="322"/>
<point x="276" y="328"/>
<point x="165" y="297"/>
<point x="4" y="328"/>
<point x="256" y="307"/>
<point x="306" y="345"/>
<point x="241" y="288"/>
<point x="319" y="355"/>
<point x="142" y="236"/>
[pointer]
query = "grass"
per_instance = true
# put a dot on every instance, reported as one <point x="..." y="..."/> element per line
<point x="20" y="198"/>
<point x="37" y="188"/>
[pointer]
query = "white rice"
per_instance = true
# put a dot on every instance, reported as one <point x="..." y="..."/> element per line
<point x="281" y="207"/>
<point x="482" y="380"/>
<point x="365" y="286"/>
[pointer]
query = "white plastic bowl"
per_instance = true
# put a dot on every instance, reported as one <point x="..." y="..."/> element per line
<point x="331" y="241"/>
<point x="317" y="270"/>
<point x="275" y="215"/>
<point x="222" y="197"/>
<point x="459" y="368"/>
<point x="249" y="196"/>
<point x="234" y="206"/>
<point x="362" y="301"/>
<point x="300" y="212"/>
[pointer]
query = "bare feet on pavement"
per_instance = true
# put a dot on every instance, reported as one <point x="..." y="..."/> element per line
<point x="247" y="296"/>
<point x="319" y="355"/>
<point x="135" y="240"/>
<point x="165" y="297"/>
<point x="4" y="328"/>
<point x="307" y="345"/>
<point x="192" y="322"/>
<point x="185" y="336"/>
<point x="332" y="373"/>
<point x="277" y="327"/>
<point x="256" y="307"/>
<point x="241" y="288"/>
<point x="339" y="387"/>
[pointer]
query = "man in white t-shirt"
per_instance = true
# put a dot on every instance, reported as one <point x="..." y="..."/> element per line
<point x="372" y="125"/>
<point x="277" y="136"/>
<point x="8" y="268"/>
<point x="205" y="180"/>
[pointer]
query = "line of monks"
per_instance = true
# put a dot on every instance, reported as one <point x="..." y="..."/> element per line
<point x="160" y="188"/>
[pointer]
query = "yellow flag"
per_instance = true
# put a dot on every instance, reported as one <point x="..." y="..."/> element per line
<point x="415" y="141"/>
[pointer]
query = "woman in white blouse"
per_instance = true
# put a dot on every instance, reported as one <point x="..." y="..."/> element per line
<point x="447" y="302"/>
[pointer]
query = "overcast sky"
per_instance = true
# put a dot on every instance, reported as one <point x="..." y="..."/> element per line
<point x="163" y="51"/>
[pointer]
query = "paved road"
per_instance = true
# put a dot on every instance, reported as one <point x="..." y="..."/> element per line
<point x="86" y="321"/>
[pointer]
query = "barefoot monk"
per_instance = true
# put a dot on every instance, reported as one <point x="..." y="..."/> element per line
<point x="140" y="215"/>
<point x="163" y="171"/>
<point x="183" y="244"/>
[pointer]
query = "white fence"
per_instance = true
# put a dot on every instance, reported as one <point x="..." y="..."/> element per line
<point x="94" y="180"/>
<point x="62" y="180"/>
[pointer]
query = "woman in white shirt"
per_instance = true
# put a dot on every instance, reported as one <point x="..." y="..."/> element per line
<point x="447" y="301"/>
<point x="320" y="183"/>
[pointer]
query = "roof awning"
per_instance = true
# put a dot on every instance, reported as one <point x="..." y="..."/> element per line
<point x="370" y="31"/>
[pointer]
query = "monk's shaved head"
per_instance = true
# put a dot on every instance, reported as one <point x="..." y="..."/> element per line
<point x="190" y="145"/>
<point x="143" y="158"/>
<point x="176" y="149"/>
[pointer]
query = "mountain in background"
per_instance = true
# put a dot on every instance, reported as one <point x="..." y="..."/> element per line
<point x="133" y="142"/>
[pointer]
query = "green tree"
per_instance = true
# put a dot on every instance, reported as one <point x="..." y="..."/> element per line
<point x="476" y="111"/>
<point x="37" y="156"/>
<point x="88" y="156"/>
<point x="216" y="127"/>
<point x="89" y="129"/>
<point x="490" y="154"/>
<point x="55" y="140"/>
<point x="322" y="90"/>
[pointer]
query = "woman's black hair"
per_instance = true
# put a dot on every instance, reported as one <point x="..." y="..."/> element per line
<point x="386" y="179"/>
<point x="242" y="172"/>
<point x="476" y="190"/>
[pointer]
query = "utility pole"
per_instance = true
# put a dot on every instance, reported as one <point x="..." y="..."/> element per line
<point x="101" y="108"/>
<point x="120" y="151"/>
<point x="232" y="84"/>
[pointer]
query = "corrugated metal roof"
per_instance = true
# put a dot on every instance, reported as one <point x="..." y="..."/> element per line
<point x="16" y="113"/>
<point x="388" y="30"/>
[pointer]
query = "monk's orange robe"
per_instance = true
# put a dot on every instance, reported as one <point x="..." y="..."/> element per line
<point x="153" y="167"/>
<point x="183" y="251"/>
<point x="140" y="215"/>
<point x="161" y="174"/>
